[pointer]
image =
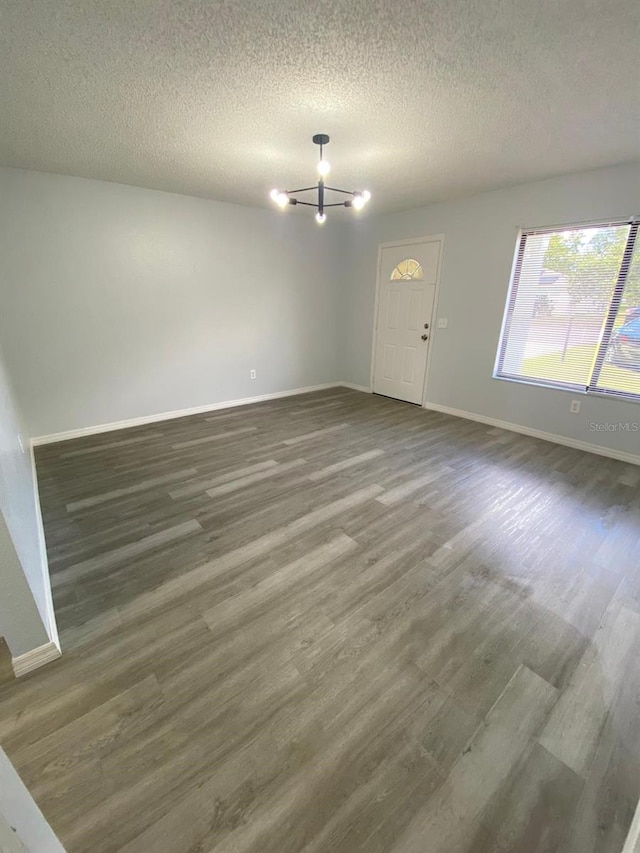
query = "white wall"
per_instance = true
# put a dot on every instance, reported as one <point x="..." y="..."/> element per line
<point x="480" y="237"/>
<point x="21" y="812"/>
<point x="119" y="302"/>
<point x="26" y="611"/>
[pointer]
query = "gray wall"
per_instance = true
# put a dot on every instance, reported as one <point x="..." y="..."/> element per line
<point x="120" y="302"/>
<point x="25" y="594"/>
<point x="480" y="237"/>
<point x="21" y="812"/>
<point x="22" y="625"/>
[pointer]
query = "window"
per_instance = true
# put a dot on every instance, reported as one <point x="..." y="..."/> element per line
<point x="572" y="318"/>
<point x="408" y="269"/>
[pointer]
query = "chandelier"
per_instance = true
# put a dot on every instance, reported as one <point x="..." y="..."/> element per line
<point x="357" y="199"/>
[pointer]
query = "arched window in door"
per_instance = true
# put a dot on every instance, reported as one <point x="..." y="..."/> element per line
<point x="408" y="270"/>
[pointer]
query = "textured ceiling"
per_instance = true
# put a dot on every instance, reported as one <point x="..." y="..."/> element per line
<point x="219" y="98"/>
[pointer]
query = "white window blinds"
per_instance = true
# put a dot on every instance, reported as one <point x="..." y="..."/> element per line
<point x="573" y="313"/>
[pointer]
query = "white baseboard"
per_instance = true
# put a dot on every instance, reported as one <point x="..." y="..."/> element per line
<point x="632" y="844"/>
<point x="353" y="387"/>
<point x="180" y="413"/>
<point x="22" y="664"/>
<point x="610" y="453"/>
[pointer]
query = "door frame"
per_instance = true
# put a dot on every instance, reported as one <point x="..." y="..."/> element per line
<point x="411" y="241"/>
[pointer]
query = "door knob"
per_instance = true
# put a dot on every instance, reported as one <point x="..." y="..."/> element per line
<point x="424" y="337"/>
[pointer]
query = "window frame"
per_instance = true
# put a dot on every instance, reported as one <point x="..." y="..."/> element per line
<point x="632" y="244"/>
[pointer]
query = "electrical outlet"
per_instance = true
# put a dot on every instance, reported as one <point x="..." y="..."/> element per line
<point x="252" y="374"/>
<point x="574" y="408"/>
<point x="442" y="323"/>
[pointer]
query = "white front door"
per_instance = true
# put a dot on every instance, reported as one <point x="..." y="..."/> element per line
<point x="407" y="278"/>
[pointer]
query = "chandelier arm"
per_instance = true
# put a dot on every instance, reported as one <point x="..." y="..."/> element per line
<point x="307" y="203"/>
<point x="303" y="190"/>
<point x="344" y="192"/>
<point x="335" y="204"/>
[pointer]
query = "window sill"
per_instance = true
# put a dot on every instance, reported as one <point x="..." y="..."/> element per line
<point x="570" y="389"/>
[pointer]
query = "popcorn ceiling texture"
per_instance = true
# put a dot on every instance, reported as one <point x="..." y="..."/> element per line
<point x="423" y="100"/>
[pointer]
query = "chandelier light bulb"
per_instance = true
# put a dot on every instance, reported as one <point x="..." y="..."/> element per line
<point x="280" y="198"/>
<point x="366" y="195"/>
<point x="320" y="218"/>
<point x="273" y="195"/>
<point x="324" y="167"/>
<point x="358" y="202"/>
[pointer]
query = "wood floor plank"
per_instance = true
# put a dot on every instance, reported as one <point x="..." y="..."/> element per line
<point x="572" y="731"/>
<point x="89" y="629"/>
<point x="238" y="609"/>
<point x="451" y="818"/>
<point x="108" y="445"/>
<point x="257" y="477"/>
<point x="93" y="733"/>
<point x="237" y="474"/>
<point x="409" y="487"/>
<point x="118" y="555"/>
<point x="144" y="485"/>
<point x="194" y="442"/>
<point x="610" y="794"/>
<point x="532" y="810"/>
<point x="318" y="433"/>
<point x="338" y="467"/>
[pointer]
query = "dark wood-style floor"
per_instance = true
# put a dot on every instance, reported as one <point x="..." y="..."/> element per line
<point x="335" y="622"/>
